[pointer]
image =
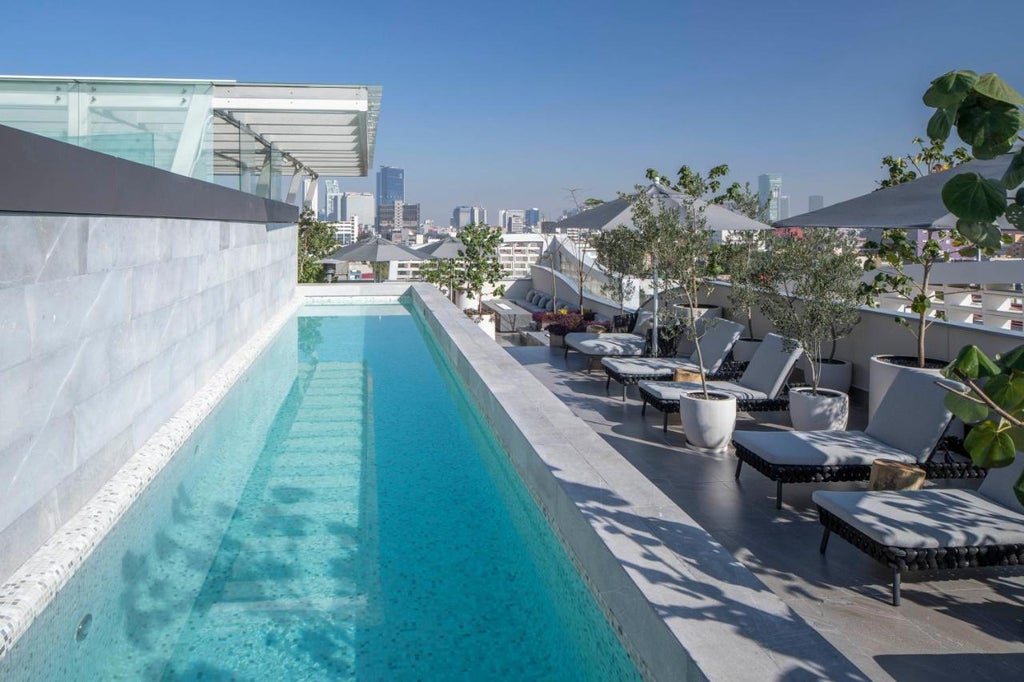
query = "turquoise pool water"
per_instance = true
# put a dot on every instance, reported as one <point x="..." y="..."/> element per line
<point x="344" y="514"/>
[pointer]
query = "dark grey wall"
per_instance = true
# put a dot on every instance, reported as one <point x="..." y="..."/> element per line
<point x="40" y="175"/>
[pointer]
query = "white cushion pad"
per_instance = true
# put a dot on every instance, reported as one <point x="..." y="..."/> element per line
<point x="926" y="519"/>
<point x="818" y="448"/>
<point x="670" y="390"/>
<point x="606" y="344"/>
<point x="666" y="366"/>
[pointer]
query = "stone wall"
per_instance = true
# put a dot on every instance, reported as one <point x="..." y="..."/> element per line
<point x="107" y="326"/>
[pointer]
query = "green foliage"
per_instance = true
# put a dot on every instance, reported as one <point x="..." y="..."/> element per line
<point x="444" y="273"/>
<point x="809" y="288"/>
<point x="316" y="242"/>
<point x="986" y="114"/>
<point x="927" y="159"/>
<point x="478" y="265"/>
<point x="993" y="402"/>
<point x="743" y="260"/>
<point x="896" y="251"/>
<point x="705" y="187"/>
<point x="620" y="252"/>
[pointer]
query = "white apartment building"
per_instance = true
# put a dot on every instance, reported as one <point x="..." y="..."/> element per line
<point x="518" y="252"/>
<point x="345" y="231"/>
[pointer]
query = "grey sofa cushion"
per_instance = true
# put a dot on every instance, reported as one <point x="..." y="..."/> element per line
<point x="544" y="302"/>
<point x="912" y="416"/>
<point x="998" y="484"/>
<point x="532" y="296"/>
<point x="818" y="448"/>
<point x="671" y="390"/>
<point x="926" y="519"/>
<point x="770" y="366"/>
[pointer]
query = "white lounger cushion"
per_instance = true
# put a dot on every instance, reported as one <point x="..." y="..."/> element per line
<point x="671" y="390"/>
<point x="818" y="448"/>
<point x="770" y="366"/>
<point x="717" y="341"/>
<point x="606" y="344"/>
<point x="926" y="519"/>
<point x="912" y="415"/>
<point x="645" y="366"/>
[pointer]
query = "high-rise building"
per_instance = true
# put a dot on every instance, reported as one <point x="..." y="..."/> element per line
<point x="390" y="185"/>
<point x="533" y="218"/>
<point x="468" y="215"/>
<point x="479" y="215"/>
<point x="783" y="206"/>
<point x="769" y="189"/>
<point x="332" y="194"/>
<point x="361" y="205"/>
<point x="815" y="201"/>
<point x="512" y="220"/>
<point x="397" y="216"/>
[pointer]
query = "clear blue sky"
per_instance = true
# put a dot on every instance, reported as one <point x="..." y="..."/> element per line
<point x="505" y="104"/>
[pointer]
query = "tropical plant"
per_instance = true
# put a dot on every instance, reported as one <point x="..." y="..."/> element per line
<point x="478" y="265"/>
<point x="316" y="242"/>
<point x="987" y="115"/>
<point x="926" y="160"/>
<point x="620" y="252"/>
<point x="809" y="289"/>
<point x="993" y="402"/>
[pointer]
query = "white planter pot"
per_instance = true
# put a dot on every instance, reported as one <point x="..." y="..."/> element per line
<point x="708" y="424"/>
<point x="836" y="375"/>
<point x="881" y="374"/>
<point x="827" y="411"/>
<point x="744" y="349"/>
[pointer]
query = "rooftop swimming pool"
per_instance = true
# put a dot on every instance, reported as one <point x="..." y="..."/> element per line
<point x="344" y="513"/>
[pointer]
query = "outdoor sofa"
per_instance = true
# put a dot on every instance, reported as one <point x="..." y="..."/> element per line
<point x="761" y="388"/>
<point x="716" y="344"/>
<point x="933" y="528"/>
<point x="907" y="428"/>
<point x="631" y="343"/>
<point x="539" y="302"/>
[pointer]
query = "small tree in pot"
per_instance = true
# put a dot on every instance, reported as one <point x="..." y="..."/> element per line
<point x="478" y="265"/>
<point x="809" y="293"/>
<point x="620" y="253"/>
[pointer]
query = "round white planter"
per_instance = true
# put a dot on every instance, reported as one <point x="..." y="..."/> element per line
<point x="881" y="374"/>
<point x="744" y="349"/>
<point x="708" y="424"/>
<point x="836" y="375"/>
<point x="826" y="411"/>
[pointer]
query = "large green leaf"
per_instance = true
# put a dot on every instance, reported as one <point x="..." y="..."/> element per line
<point x="985" y="235"/>
<point x="990" y="127"/>
<point x="989" y="445"/>
<point x="972" y="363"/>
<point x="968" y="411"/>
<point x="941" y="123"/>
<point x="1014" y="174"/>
<point x="1013" y="361"/>
<point x="995" y="87"/>
<point x="949" y="89"/>
<point x="1019" y="196"/>
<point x="974" y="198"/>
<point x="1006" y="392"/>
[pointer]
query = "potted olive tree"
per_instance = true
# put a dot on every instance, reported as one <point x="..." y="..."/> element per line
<point x="742" y="256"/>
<point x="809" y="292"/>
<point x="689" y="261"/>
<point x="476" y="268"/>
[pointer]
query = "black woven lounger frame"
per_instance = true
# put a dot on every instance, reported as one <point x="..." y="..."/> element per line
<point x="901" y="559"/>
<point x="780" y="403"/>
<point x="804" y="473"/>
<point x="728" y="371"/>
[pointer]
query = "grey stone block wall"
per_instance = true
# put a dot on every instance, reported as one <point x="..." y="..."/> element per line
<point x="107" y="326"/>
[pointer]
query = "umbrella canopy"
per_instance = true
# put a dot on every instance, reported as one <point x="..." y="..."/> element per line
<point x="376" y="250"/>
<point x="915" y="205"/>
<point x="446" y="248"/>
<point x="611" y="214"/>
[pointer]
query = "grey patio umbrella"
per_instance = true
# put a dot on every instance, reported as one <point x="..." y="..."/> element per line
<point x="611" y="214"/>
<point x="375" y="250"/>
<point x="913" y="205"/>
<point x="446" y="249"/>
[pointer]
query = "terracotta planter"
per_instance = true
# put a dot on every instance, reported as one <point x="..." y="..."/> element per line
<point x="708" y="424"/>
<point x="827" y="411"/>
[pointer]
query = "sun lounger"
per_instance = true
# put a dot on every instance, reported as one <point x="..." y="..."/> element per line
<point x="907" y="427"/>
<point x="930" y="529"/>
<point x="760" y="388"/>
<point x="716" y="344"/>
<point x="633" y="342"/>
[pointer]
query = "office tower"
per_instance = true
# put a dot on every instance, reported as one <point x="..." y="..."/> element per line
<point x="512" y="220"/>
<point x="769" y="189"/>
<point x="478" y="215"/>
<point x="532" y="217"/>
<point x="815" y="201"/>
<point x="390" y="185"/>
<point x="462" y="216"/>
<point x="332" y="200"/>
<point x="359" y="204"/>
<point x="397" y="216"/>
<point x="783" y="206"/>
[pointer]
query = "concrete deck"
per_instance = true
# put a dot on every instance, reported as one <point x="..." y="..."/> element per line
<point x="967" y="624"/>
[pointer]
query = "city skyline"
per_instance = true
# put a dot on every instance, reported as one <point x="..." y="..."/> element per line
<point x="855" y="75"/>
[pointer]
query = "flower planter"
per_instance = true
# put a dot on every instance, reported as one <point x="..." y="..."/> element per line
<point x="829" y="410"/>
<point x="743" y="350"/>
<point x="835" y="374"/>
<point x="708" y="424"/>
<point x="883" y="370"/>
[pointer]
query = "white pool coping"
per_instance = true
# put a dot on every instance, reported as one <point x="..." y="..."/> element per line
<point x="683" y="607"/>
